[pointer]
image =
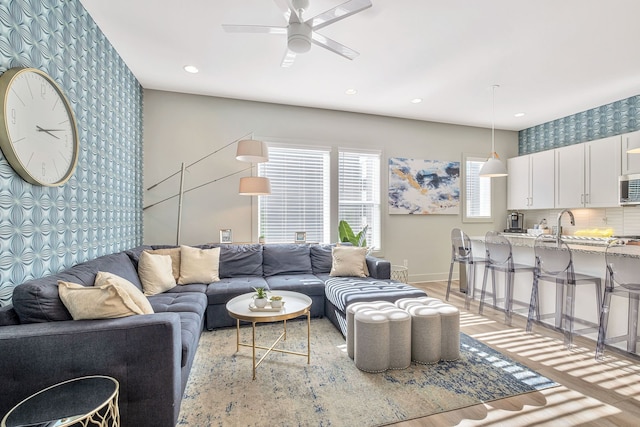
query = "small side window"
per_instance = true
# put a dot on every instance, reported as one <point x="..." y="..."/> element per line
<point x="477" y="191"/>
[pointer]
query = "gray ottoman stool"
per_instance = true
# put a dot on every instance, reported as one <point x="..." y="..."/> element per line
<point x="435" y="329"/>
<point x="351" y="311"/>
<point x="380" y="337"/>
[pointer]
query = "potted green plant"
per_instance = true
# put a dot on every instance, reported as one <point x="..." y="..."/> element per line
<point x="276" y="301"/>
<point x="260" y="297"/>
<point x="346" y="234"/>
<point x="261" y="239"/>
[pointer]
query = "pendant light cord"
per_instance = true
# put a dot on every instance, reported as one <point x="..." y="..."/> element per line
<point x="493" y="120"/>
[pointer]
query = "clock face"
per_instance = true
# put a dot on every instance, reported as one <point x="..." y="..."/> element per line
<point x="39" y="136"/>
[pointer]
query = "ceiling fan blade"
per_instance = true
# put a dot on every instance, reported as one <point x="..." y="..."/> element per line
<point x="333" y="46"/>
<point x="254" y="29"/>
<point x="337" y="13"/>
<point x="287" y="60"/>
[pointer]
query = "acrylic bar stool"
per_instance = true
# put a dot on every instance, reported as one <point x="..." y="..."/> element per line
<point x="622" y="278"/>
<point x="462" y="253"/>
<point x="500" y="258"/>
<point x="554" y="263"/>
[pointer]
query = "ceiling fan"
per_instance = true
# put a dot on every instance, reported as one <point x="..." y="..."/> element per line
<point x="301" y="33"/>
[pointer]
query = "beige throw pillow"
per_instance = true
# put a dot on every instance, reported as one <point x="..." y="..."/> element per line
<point x="155" y="273"/>
<point x="110" y="297"/>
<point x="174" y="253"/>
<point x="198" y="265"/>
<point x="349" y="261"/>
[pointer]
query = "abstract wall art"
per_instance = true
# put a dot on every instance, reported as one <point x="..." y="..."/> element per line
<point x="424" y="187"/>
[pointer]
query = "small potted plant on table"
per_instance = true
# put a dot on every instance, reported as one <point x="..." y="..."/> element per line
<point x="260" y="297"/>
<point x="276" y="301"/>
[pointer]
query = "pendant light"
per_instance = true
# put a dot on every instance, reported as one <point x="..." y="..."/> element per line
<point x="493" y="167"/>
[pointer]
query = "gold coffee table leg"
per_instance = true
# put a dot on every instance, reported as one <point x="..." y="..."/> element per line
<point x="308" y="337"/>
<point x="253" y="344"/>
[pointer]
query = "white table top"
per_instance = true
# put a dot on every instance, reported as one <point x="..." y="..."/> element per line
<point x="295" y="305"/>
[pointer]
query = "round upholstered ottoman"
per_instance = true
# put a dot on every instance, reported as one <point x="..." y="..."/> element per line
<point x="351" y="311"/>
<point x="399" y="338"/>
<point x="435" y="329"/>
<point x="371" y="341"/>
<point x="381" y="337"/>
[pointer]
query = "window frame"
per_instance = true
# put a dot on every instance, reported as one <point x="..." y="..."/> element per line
<point x="474" y="219"/>
<point x="375" y="242"/>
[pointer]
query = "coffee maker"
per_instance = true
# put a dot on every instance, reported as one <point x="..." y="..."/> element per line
<point x="515" y="223"/>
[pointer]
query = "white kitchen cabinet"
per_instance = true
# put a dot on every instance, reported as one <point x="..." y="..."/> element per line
<point x="630" y="161"/>
<point x="531" y="181"/>
<point x="587" y="174"/>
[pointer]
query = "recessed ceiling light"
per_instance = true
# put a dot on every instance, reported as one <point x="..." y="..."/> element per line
<point x="350" y="91"/>
<point x="191" y="69"/>
<point x="518" y="115"/>
<point x="416" y="100"/>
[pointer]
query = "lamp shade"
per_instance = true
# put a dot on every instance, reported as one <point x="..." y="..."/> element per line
<point x="254" y="186"/>
<point x="493" y="167"/>
<point x="250" y="150"/>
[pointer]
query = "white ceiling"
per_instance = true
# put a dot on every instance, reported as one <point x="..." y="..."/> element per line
<point x="551" y="58"/>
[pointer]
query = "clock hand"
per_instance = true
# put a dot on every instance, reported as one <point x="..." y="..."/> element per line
<point x="48" y="131"/>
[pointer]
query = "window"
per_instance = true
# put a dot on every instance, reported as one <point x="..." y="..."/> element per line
<point x="477" y="198"/>
<point x="359" y="192"/>
<point x="299" y="200"/>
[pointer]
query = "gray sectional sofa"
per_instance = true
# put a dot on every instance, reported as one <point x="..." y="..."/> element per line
<point x="151" y="355"/>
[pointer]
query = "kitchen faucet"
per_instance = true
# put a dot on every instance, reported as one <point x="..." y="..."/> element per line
<point x="559" y="227"/>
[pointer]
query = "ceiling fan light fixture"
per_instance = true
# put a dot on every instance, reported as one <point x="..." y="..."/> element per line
<point x="299" y="38"/>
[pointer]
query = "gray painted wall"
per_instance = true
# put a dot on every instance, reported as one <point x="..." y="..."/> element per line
<point x="182" y="128"/>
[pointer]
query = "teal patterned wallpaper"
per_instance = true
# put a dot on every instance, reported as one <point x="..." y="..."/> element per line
<point x="608" y="120"/>
<point x="99" y="210"/>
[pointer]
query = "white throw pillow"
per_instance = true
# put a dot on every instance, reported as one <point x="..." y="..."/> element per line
<point x="155" y="273"/>
<point x="198" y="265"/>
<point x="111" y="297"/>
<point x="349" y="261"/>
<point x="174" y="253"/>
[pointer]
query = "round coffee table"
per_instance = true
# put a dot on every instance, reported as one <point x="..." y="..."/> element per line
<point x="91" y="400"/>
<point x="295" y="305"/>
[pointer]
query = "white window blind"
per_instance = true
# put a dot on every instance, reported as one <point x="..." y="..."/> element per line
<point x="477" y="191"/>
<point x="299" y="199"/>
<point x="359" y="192"/>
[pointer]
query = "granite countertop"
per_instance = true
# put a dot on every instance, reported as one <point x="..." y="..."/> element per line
<point x="592" y="245"/>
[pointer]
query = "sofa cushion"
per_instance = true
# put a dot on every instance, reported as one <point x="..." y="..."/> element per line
<point x="38" y="300"/>
<point x="192" y="287"/>
<point x="155" y="273"/>
<point x="342" y="291"/>
<point x="307" y="284"/>
<point x="349" y="261"/>
<point x="195" y="302"/>
<point x="221" y="292"/>
<point x="111" y="297"/>
<point x="321" y="258"/>
<point x="199" y="265"/>
<point x="286" y="259"/>
<point x="240" y="260"/>
<point x="134" y="254"/>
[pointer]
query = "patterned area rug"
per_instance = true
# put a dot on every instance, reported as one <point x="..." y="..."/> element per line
<point x="331" y="391"/>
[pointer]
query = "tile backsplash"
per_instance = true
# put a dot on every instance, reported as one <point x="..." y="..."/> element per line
<point x="623" y="220"/>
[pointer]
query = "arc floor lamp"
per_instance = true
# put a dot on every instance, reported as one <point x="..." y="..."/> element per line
<point x="248" y="150"/>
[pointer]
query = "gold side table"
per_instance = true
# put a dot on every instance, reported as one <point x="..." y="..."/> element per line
<point x="85" y="401"/>
<point x="295" y="305"/>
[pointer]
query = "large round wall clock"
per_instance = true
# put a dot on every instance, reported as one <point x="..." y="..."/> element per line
<point x="38" y="133"/>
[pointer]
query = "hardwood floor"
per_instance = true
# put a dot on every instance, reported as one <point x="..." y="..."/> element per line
<point x="605" y="393"/>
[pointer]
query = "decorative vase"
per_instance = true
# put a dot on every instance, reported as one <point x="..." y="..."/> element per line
<point x="276" y="304"/>
<point x="260" y="302"/>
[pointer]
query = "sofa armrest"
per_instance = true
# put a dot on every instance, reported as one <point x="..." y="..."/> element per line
<point x="141" y="352"/>
<point x="378" y="268"/>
